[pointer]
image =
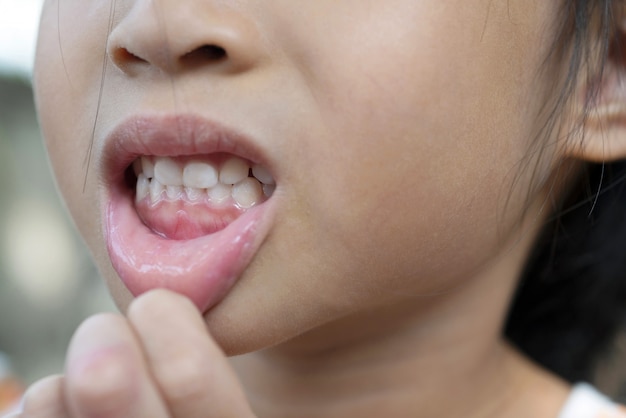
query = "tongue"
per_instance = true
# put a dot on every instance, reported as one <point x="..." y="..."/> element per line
<point x="184" y="220"/>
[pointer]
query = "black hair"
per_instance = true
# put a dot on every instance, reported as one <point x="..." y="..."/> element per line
<point x="571" y="301"/>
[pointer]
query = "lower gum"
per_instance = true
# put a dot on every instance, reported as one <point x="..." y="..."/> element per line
<point x="183" y="220"/>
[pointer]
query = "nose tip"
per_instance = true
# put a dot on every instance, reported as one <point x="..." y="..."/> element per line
<point x="180" y="36"/>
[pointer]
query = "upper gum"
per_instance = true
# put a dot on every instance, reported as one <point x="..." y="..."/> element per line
<point x="216" y="160"/>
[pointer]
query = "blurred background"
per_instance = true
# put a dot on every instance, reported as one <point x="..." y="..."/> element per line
<point x="48" y="284"/>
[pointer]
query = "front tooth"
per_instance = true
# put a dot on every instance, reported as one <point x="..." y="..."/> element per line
<point x="194" y="194"/>
<point x="199" y="175"/>
<point x="234" y="170"/>
<point x="174" y="192"/>
<point x="248" y="192"/>
<point x="262" y="174"/>
<point x="219" y="193"/>
<point x="147" y="167"/>
<point x="168" y="172"/>
<point x="156" y="188"/>
<point x="143" y="187"/>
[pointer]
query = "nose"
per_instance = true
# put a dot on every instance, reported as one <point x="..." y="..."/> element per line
<point x="175" y="35"/>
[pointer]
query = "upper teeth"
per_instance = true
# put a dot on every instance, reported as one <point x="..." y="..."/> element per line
<point x="234" y="170"/>
<point x="262" y="174"/>
<point x="199" y="175"/>
<point x="168" y="172"/>
<point x="200" y="179"/>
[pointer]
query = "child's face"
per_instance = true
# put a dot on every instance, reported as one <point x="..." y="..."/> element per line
<point x="393" y="129"/>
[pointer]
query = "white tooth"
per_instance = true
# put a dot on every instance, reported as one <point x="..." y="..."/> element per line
<point x="234" y="170"/>
<point x="156" y="189"/>
<point x="137" y="169"/>
<point x="219" y="193"/>
<point x="194" y="194"/>
<point x="262" y="174"/>
<point x="268" y="189"/>
<point x="147" y="167"/>
<point x="168" y="172"/>
<point x="248" y="192"/>
<point x="143" y="187"/>
<point x="199" y="175"/>
<point x="174" y="192"/>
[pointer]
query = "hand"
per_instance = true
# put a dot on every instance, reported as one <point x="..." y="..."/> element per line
<point x="158" y="362"/>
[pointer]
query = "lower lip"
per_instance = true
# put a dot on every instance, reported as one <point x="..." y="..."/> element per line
<point x="204" y="269"/>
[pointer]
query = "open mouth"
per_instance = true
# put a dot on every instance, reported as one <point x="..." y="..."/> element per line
<point x="184" y="198"/>
<point x="187" y="206"/>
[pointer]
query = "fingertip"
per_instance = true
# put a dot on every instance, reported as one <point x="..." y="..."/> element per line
<point x="103" y="366"/>
<point x="96" y="322"/>
<point x="44" y="398"/>
<point x="160" y="305"/>
<point x="103" y="380"/>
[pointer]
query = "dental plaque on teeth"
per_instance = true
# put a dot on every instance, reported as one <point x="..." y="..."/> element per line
<point x="227" y="181"/>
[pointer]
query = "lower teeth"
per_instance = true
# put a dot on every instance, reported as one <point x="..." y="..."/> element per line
<point x="220" y="193"/>
<point x="245" y="194"/>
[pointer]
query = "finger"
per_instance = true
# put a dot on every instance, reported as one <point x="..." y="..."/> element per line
<point x="106" y="374"/>
<point x="192" y="372"/>
<point x="44" y="399"/>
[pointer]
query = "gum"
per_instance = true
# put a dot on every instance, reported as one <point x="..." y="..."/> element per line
<point x="184" y="220"/>
<point x="217" y="159"/>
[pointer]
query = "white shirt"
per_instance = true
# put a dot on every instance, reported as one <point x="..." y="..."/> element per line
<point x="586" y="402"/>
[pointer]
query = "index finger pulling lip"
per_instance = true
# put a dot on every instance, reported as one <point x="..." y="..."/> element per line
<point x="203" y="268"/>
<point x="190" y="369"/>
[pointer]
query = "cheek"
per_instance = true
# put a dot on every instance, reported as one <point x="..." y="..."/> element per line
<point x="417" y="213"/>
<point x="421" y="149"/>
<point x="67" y="76"/>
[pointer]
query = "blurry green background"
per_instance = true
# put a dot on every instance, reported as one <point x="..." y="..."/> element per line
<point x="48" y="284"/>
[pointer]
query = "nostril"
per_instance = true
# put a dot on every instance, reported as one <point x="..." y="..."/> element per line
<point x="205" y="54"/>
<point x="212" y="52"/>
<point x="124" y="56"/>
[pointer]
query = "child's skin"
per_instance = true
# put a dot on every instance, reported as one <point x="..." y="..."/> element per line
<point x="398" y="131"/>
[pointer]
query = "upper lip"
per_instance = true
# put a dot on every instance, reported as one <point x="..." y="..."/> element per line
<point x="173" y="135"/>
